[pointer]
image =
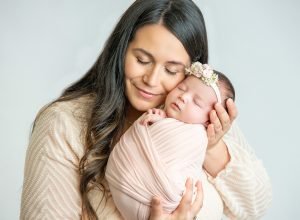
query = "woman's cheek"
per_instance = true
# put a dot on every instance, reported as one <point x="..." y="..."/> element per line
<point x="172" y="82"/>
<point x="131" y="66"/>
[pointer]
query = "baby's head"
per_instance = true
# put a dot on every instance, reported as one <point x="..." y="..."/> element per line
<point x="193" y="99"/>
<point x="226" y="88"/>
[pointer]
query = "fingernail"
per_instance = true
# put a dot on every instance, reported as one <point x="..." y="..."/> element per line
<point x="229" y="101"/>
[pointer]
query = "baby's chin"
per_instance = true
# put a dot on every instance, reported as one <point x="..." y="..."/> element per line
<point x="171" y="113"/>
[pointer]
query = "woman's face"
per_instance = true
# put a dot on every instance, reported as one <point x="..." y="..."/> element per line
<point x="155" y="63"/>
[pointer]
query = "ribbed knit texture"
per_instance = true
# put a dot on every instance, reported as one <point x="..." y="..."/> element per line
<point x="51" y="177"/>
<point x="154" y="160"/>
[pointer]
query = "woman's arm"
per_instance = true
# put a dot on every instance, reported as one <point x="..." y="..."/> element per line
<point x="216" y="159"/>
<point x="51" y="179"/>
<point x="244" y="184"/>
<point x="236" y="172"/>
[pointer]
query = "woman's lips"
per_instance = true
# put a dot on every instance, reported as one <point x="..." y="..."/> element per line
<point x="146" y="94"/>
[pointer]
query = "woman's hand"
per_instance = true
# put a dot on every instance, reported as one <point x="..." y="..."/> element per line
<point x="217" y="154"/>
<point x="220" y="122"/>
<point x="186" y="210"/>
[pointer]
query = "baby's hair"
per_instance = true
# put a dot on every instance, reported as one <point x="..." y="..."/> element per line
<point x="226" y="88"/>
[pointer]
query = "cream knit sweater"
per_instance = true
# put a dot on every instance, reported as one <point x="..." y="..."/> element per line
<point x="51" y="177"/>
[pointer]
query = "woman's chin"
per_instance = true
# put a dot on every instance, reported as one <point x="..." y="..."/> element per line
<point x="144" y="106"/>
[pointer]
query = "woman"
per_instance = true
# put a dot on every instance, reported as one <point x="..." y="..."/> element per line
<point x="143" y="59"/>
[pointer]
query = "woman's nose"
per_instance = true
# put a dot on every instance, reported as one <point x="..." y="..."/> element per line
<point x="152" y="78"/>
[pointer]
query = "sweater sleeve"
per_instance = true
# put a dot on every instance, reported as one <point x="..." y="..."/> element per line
<point x="51" y="177"/>
<point x="244" y="184"/>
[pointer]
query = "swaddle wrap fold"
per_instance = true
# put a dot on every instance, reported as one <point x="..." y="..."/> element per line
<point x="154" y="160"/>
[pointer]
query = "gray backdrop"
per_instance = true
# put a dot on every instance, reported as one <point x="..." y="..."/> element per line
<point x="46" y="45"/>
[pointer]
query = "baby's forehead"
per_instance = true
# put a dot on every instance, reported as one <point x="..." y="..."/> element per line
<point x="194" y="82"/>
<point x="200" y="89"/>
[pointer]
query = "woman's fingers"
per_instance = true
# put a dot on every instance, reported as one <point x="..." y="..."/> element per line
<point x="186" y="201"/>
<point x="223" y="118"/>
<point x="156" y="212"/>
<point x="232" y="109"/>
<point x="185" y="210"/>
<point x="220" y="124"/>
<point x="198" y="202"/>
<point x="215" y="120"/>
<point x="220" y="120"/>
<point x="188" y="209"/>
<point x="211" y="135"/>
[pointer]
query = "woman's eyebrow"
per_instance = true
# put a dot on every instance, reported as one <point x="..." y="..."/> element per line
<point x="173" y="62"/>
<point x="176" y="63"/>
<point x="144" y="52"/>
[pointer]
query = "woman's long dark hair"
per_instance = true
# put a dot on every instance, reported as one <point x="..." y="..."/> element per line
<point x="105" y="80"/>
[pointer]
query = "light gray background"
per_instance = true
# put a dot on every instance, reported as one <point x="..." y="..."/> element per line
<point x="46" y="45"/>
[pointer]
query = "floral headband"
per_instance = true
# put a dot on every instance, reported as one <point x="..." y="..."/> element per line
<point x="206" y="74"/>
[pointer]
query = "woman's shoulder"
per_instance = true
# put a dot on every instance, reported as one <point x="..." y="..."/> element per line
<point x="60" y="126"/>
<point x="75" y="110"/>
<point x="80" y="105"/>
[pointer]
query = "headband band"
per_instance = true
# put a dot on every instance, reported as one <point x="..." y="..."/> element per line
<point x="206" y="74"/>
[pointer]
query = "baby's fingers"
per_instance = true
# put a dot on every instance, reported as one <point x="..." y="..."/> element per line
<point x="151" y="111"/>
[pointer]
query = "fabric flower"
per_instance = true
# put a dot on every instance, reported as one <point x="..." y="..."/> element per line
<point x="197" y="67"/>
<point x="207" y="71"/>
<point x="203" y="72"/>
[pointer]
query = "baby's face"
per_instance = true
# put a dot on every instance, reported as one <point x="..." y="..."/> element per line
<point x="191" y="101"/>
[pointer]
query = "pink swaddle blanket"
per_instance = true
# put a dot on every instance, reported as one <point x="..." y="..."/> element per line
<point x="154" y="160"/>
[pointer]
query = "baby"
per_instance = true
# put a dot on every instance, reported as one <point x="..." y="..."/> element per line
<point x="192" y="100"/>
<point x="163" y="148"/>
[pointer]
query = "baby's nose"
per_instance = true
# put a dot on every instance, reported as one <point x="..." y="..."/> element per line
<point x="183" y="98"/>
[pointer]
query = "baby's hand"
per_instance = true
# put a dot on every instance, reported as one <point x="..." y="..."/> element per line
<point x="157" y="111"/>
<point x="152" y="115"/>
